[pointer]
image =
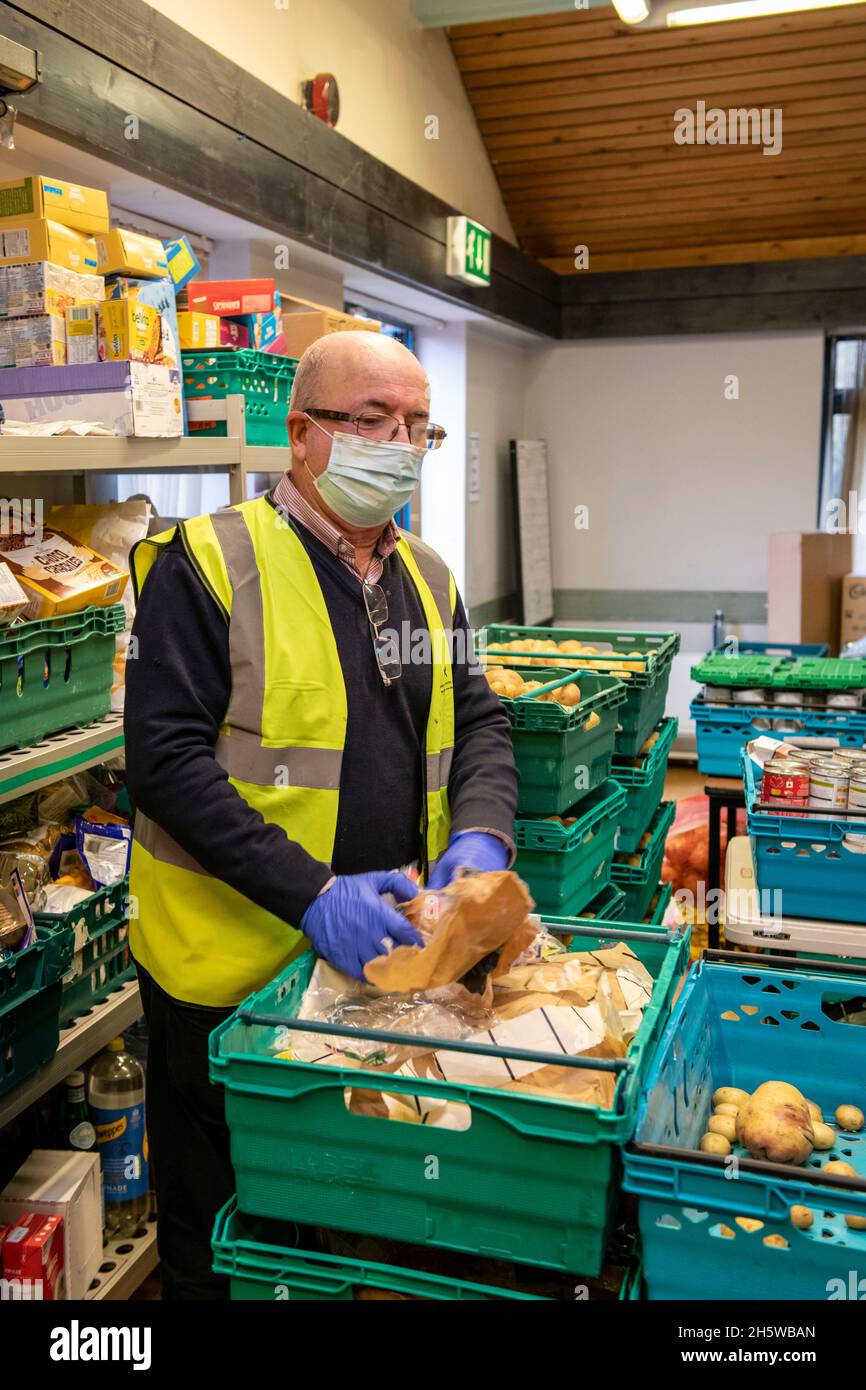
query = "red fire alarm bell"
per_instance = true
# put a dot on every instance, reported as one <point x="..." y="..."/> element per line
<point x="322" y="97"/>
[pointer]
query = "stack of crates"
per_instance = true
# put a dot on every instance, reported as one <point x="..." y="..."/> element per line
<point x="513" y="1204"/>
<point x="791" y="691"/>
<point x="101" y="962"/>
<point x="589" y="813"/>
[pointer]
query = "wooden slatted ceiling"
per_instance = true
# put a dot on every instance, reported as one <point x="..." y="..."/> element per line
<point x="577" y="114"/>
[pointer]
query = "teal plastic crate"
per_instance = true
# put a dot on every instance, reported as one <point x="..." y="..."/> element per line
<point x="644" y="784"/>
<point x="264" y="380"/>
<point x="565" y="867"/>
<point x="740" y="1023"/>
<point x="658" y="906"/>
<point x="640" y="881"/>
<point x="533" y="1179"/>
<point x="30" y="991"/>
<point x="101" y="962"/>
<point x="56" y="673"/>
<point x="259" y="1270"/>
<point x="646" y="690"/>
<point x="723" y="730"/>
<point x="559" y="759"/>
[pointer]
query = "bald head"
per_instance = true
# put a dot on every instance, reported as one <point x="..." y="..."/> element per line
<point x="352" y="363"/>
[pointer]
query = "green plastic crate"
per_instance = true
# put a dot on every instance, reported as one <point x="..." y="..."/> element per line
<point x="533" y="1179"/>
<point x="646" y="691"/>
<point x="565" y="867"/>
<point x="824" y="673"/>
<point x="781" y="673"/>
<point x="560" y="761"/>
<point x="279" y="1273"/>
<point x="644" y="785"/>
<point x="721" y="668"/>
<point x="658" y="905"/>
<point x="30" y="991"/>
<point x="56" y="673"/>
<point x="607" y="906"/>
<point x="264" y="379"/>
<point x="639" y="882"/>
<point x="101" y="962"/>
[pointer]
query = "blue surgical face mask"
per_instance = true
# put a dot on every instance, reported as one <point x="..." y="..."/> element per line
<point x="368" y="480"/>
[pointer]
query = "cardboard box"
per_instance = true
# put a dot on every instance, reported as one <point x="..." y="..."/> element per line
<point x="805" y="586"/>
<point x="35" y="239"/>
<point x="122" y="252"/>
<point x="233" y="298"/>
<point x="159" y="294"/>
<point x="82" y="209"/>
<point x="853" y="620"/>
<point x="33" y="1258"/>
<point x="37" y="341"/>
<point x="82" y="334"/>
<point x="183" y="263"/>
<point x="59" y="574"/>
<point x="38" y="287"/>
<point x="68" y="1184"/>
<point x="13" y="599"/>
<point x="303" y="322"/>
<point x="129" y="331"/>
<point x="129" y="398"/>
<point x="201" y="331"/>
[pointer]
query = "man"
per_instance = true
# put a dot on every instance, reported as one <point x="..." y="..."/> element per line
<point x="284" y="761"/>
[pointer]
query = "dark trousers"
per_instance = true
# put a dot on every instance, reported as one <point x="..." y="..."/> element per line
<point x="189" y="1142"/>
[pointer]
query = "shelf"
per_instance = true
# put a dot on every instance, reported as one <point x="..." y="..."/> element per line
<point x="27" y="769"/>
<point x="78" y="1044"/>
<point x="126" y="1263"/>
<point x="103" y="454"/>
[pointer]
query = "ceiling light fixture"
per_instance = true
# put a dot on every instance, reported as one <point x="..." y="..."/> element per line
<point x="631" y="11"/>
<point x="747" y="9"/>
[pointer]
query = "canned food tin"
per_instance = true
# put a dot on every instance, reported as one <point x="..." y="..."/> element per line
<point x="857" y="791"/>
<point x="828" y="789"/>
<point x="747" y="696"/>
<point x="813" y="699"/>
<point x="761" y="724"/>
<point x="786" y="781"/>
<point x="717" y="694"/>
<point x="791" y="698"/>
<point x="787" y="725"/>
<point x="855" y="842"/>
<point x="845" y="699"/>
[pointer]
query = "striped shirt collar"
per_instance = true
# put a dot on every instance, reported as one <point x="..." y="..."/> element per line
<point x="287" y="496"/>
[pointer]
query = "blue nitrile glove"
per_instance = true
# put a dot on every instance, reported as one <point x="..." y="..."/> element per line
<point x="349" y="923"/>
<point x="468" y="849"/>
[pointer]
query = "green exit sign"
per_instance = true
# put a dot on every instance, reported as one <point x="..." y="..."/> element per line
<point x="468" y="251"/>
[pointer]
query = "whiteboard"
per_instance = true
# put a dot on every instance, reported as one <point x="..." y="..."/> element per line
<point x="532" y="531"/>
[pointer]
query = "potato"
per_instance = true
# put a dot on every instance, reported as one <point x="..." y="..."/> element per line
<point x="840" y="1168"/>
<point x="748" y="1223"/>
<point x="801" y="1217"/>
<point x="723" y="1124"/>
<point x="715" y="1144"/>
<point x="849" y="1117"/>
<point x="730" y="1095"/>
<point x="855" y="1223"/>
<point x="777" y="1240"/>
<point x="593" y="721"/>
<point x="825" y="1137"/>
<point x="726" y="1109"/>
<point x="775" y="1124"/>
<point x="815" y="1111"/>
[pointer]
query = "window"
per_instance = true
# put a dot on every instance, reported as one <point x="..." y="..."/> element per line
<point x="843" y="382"/>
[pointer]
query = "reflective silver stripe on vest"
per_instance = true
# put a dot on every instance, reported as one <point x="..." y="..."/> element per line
<point x="439" y="769"/>
<point x="162" y="847"/>
<point x="243" y="757"/>
<point x="435" y="574"/>
<point x="247" y="626"/>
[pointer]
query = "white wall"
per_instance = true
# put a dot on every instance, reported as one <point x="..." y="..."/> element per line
<point x="495" y="408"/>
<point x="392" y="75"/>
<point x="683" y="485"/>
<point x="443" y="481"/>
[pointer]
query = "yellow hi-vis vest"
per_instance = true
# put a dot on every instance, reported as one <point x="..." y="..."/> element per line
<point x="281" y="743"/>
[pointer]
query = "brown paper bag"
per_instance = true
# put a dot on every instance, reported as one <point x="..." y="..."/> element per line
<point x="479" y="914"/>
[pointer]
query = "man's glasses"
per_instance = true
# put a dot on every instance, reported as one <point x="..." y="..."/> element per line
<point x="374" y="425"/>
<point x="387" y="660"/>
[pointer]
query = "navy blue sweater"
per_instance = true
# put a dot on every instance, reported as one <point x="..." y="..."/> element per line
<point x="177" y="693"/>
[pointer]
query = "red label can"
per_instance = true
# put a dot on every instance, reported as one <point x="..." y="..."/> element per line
<point x="786" y="782"/>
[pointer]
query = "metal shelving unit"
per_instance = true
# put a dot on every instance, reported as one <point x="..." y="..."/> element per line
<point x="101" y="454"/>
<point x="25" y="770"/>
<point x="78" y="1043"/>
<point x="126" y="1263"/>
